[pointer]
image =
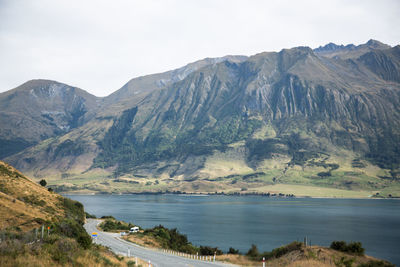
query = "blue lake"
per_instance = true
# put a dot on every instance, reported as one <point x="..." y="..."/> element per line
<point x="239" y="221"/>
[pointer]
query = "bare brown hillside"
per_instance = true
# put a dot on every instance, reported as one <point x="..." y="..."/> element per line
<point x="25" y="204"/>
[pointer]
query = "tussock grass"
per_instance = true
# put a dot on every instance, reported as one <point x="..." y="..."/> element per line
<point x="49" y="255"/>
<point x="31" y="202"/>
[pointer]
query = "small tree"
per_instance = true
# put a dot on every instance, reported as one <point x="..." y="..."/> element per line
<point x="43" y="182"/>
<point x="233" y="251"/>
<point x="356" y="248"/>
<point x="253" y="252"/>
<point x="352" y="247"/>
<point x="339" y="245"/>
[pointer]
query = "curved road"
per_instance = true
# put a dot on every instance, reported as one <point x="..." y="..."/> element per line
<point x="157" y="258"/>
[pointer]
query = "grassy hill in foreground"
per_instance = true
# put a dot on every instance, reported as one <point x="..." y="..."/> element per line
<point x="24" y="207"/>
<point x="24" y="204"/>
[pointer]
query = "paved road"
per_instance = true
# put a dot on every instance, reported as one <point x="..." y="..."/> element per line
<point x="157" y="258"/>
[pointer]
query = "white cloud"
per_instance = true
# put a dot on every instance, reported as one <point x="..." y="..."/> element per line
<point x="100" y="45"/>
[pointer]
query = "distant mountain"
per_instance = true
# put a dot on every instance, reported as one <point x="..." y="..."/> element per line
<point x="383" y="63"/>
<point x="239" y="122"/>
<point x="40" y="109"/>
<point x="350" y="50"/>
<point x="331" y="47"/>
<point x="332" y="50"/>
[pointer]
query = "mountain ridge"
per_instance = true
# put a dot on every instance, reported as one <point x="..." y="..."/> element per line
<point x="290" y="107"/>
<point x="350" y="50"/>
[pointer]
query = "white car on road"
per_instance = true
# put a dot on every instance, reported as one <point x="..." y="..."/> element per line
<point x="134" y="229"/>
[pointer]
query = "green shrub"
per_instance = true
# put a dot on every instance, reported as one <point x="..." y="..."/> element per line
<point x="233" y="251"/>
<point x="352" y="247"/>
<point x="279" y="252"/>
<point x="74" y="210"/>
<point x="120" y="258"/>
<point x="375" y="263"/>
<point x="253" y="252"/>
<point x="84" y="240"/>
<point x="339" y="245"/>
<point x="324" y="174"/>
<point x="111" y="225"/>
<point x="206" y="250"/>
<point x="73" y="229"/>
<point x="171" y="239"/>
<point x="107" y="262"/>
<point x="356" y="248"/>
<point x="90" y="216"/>
<point x="107" y="217"/>
<point x="63" y="250"/>
<point x="130" y="264"/>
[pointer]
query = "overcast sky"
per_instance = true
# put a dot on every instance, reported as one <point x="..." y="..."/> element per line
<point x="100" y="45"/>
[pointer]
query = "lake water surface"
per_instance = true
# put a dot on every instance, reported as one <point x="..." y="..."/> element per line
<point x="239" y="221"/>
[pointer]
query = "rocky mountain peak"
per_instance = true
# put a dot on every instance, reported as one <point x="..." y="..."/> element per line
<point x="288" y="58"/>
<point x="376" y="44"/>
<point x="328" y="47"/>
<point x="43" y="109"/>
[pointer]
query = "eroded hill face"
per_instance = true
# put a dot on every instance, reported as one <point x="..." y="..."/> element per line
<point x="23" y="203"/>
<point x="298" y="116"/>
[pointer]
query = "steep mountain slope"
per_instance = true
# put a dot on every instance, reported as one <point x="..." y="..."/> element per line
<point x="46" y="108"/>
<point x="256" y="120"/>
<point x="139" y="87"/>
<point x="384" y="63"/>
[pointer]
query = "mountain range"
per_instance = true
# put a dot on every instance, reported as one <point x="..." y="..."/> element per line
<point x="326" y="118"/>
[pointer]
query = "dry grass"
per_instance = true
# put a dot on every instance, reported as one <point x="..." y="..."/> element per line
<point x="27" y="260"/>
<point x="25" y="205"/>
<point x="305" y="257"/>
<point x="310" y="263"/>
<point x="142" y="240"/>
<point x="96" y="257"/>
<point x="23" y="202"/>
<point x="240" y="260"/>
<point x="317" y="256"/>
<point x="222" y="164"/>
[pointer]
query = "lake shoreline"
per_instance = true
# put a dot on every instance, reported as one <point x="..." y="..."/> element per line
<point x="266" y="195"/>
